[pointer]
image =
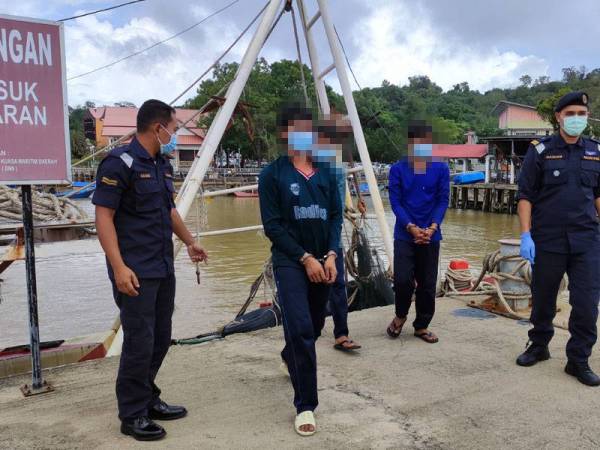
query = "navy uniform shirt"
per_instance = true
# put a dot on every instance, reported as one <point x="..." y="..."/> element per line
<point x="561" y="182"/>
<point x="299" y="215"/>
<point x="421" y="199"/>
<point x="140" y="190"/>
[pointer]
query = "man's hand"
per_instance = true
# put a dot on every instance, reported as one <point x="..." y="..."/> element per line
<point x="418" y="234"/>
<point x="330" y="269"/>
<point x="197" y="253"/>
<point x="426" y="236"/>
<point x="527" y="247"/>
<point x="126" y="281"/>
<point x="314" y="270"/>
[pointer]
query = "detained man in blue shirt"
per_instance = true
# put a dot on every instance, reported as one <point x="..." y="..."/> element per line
<point x="419" y="189"/>
<point x="302" y="216"/>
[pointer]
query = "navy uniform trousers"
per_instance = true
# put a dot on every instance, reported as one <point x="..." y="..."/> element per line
<point x="338" y="299"/>
<point x="303" y="305"/>
<point x="416" y="263"/>
<point x="146" y="322"/>
<point x="583" y="270"/>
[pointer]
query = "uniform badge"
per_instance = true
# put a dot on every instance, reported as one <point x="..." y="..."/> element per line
<point x="295" y="188"/>
<point x="109" y="181"/>
<point x="584" y="99"/>
<point x="556" y="173"/>
<point x="145" y="175"/>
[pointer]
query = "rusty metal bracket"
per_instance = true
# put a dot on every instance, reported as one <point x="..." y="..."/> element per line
<point x="28" y="390"/>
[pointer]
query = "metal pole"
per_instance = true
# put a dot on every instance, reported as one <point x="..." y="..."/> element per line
<point x="314" y="61"/>
<point x="359" y="136"/>
<point x="219" y="124"/>
<point x="34" y="332"/>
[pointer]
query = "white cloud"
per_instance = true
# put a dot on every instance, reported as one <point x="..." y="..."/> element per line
<point x="398" y="40"/>
<point x="162" y="72"/>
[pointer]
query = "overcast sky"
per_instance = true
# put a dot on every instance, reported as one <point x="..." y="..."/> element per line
<point x="488" y="43"/>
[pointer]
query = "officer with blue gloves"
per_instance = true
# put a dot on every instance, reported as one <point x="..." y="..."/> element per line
<point x="559" y="201"/>
<point x="136" y="219"/>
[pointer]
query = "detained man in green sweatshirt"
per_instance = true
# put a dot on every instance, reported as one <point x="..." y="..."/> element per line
<point x="302" y="216"/>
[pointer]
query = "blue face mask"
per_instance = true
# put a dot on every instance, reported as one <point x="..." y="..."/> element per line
<point x="423" y="150"/>
<point x="574" y="125"/>
<point x="300" y="141"/>
<point x="171" y="146"/>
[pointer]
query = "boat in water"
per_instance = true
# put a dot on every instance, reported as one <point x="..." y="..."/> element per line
<point x="82" y="189"/>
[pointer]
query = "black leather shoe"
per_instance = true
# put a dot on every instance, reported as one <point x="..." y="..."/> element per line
<point x="534" y="354"/>
<point x="143" y="429"/>
<point x="162" y="411"/>
<point x="583" y="373"/>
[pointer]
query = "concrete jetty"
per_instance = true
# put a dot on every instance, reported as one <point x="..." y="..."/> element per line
<point x="465" y="392"/>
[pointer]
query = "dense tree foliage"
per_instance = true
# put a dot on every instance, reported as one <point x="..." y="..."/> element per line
<point x="385" y="110"/>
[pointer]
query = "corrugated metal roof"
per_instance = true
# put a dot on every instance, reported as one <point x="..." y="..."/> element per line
<point x="460" y="150"/>
<point x="189" y="140"/>
<point x="114" y="116"/>
<point x="116" y="131"/>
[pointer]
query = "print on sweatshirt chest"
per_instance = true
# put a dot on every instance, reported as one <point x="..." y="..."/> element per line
<point x="306" y="201"/>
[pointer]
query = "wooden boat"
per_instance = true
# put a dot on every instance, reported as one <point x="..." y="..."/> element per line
<point x="17" y="360"/>
<point x="82" y="190"/>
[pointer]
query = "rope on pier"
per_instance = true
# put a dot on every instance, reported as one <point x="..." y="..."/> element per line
<point x="460" y="282"/>
<point x="46" y="207"/>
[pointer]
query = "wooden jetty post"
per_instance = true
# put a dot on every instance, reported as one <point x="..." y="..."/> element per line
<point x="487" y="197"/>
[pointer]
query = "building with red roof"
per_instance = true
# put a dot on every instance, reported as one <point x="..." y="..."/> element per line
<point x="107" y="124"/>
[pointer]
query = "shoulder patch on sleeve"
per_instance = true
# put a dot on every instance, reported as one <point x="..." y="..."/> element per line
<point x="109" y="181"/>
<point x="540" y="147"/>
<point x="127" y="159"/>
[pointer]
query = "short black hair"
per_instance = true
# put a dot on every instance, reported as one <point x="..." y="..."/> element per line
<point x="153" y="111"/>
<point x="418" y="129"/>
<point x="292" y="111"/>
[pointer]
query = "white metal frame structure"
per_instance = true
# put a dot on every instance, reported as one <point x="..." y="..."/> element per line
<point x="215" y="133"/>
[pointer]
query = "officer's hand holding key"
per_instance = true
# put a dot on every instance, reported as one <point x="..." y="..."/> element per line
<point x="127" y="282"/>
<point x="197" y="253"/>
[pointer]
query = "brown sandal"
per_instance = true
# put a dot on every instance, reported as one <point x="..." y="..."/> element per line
<point x="428" y="337"/>
<point x="393" y="330"/>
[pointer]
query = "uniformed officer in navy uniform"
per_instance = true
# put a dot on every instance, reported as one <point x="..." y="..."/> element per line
<point x="135" y="220"/>
<point x="559" y="200"/>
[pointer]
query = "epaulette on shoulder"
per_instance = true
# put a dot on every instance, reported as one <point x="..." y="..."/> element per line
<point x="121" y="153"/>
<point x="594" y="142"/>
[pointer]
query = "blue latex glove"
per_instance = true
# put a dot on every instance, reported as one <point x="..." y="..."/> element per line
<point x="527" y="247"/>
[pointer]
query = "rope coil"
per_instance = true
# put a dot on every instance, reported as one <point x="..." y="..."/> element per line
<point x="460" y="282"/>
<point x="46" y="207"/>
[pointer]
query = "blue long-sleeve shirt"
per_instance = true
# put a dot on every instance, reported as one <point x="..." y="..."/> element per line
<point x="299" y="215"/>
<point x="421" y="199"/>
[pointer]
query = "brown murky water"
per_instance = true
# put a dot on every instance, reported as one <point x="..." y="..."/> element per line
<point x="75" y="296"/>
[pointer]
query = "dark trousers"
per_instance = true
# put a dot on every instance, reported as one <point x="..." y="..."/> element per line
<point x="303" y="312"/>
<point x="416" y="264"/>
<point x="146" y="322"/>
<point x="583" y="270"/>
<point x="338" y="300"/>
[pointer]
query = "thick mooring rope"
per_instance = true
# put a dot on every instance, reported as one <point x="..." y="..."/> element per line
<point x="460" y="282"/>
<point x="46" y="207"/>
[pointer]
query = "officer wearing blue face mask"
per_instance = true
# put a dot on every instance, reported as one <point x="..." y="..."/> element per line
<point x="135" y="220"/>
<point x="559" y="200"/>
